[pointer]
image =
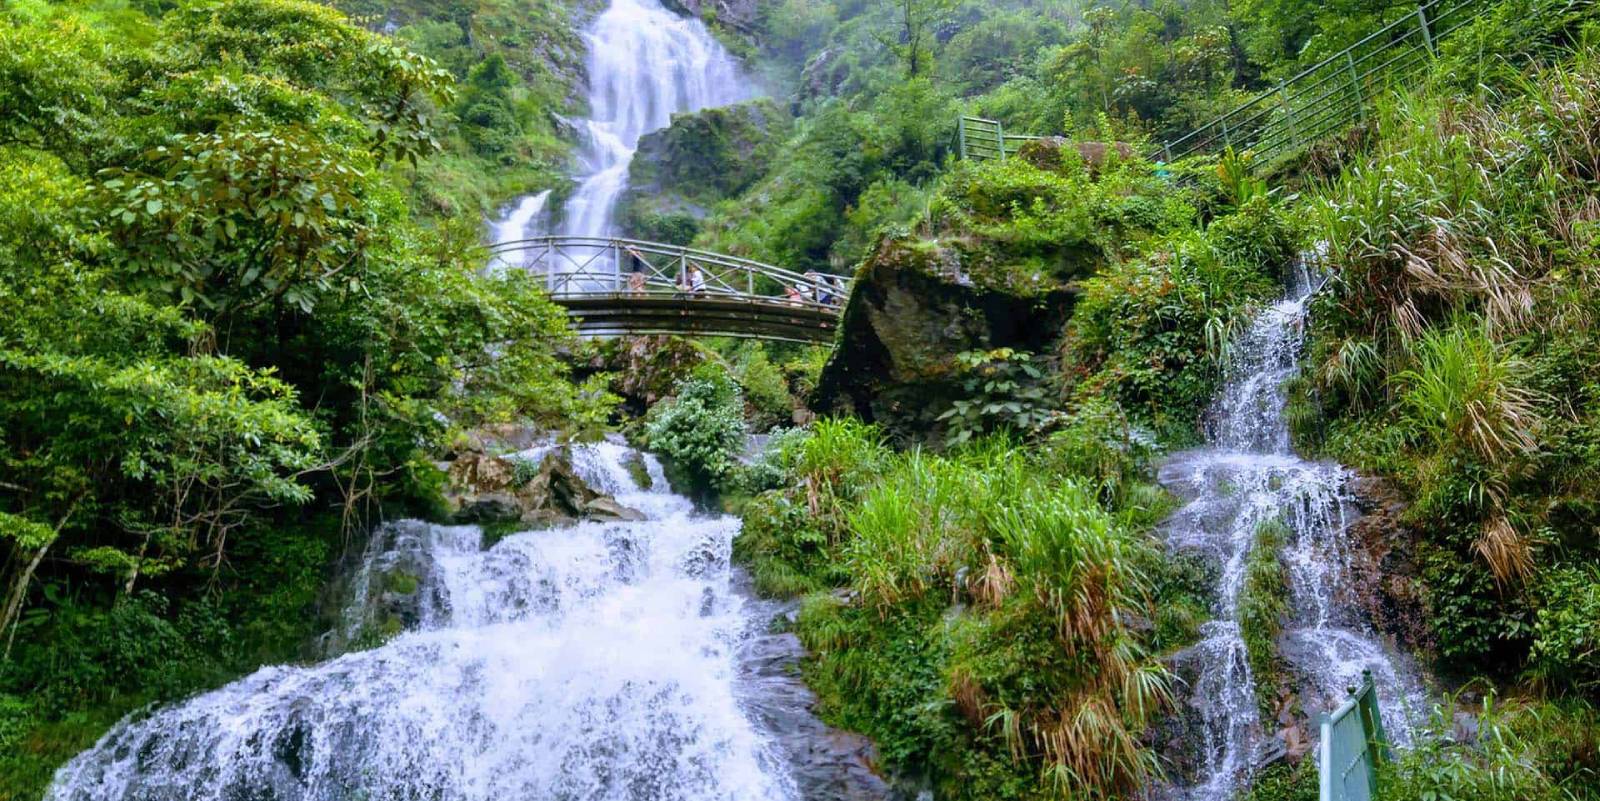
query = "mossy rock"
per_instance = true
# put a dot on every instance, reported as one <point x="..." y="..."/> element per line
<point x="911" y="312"/>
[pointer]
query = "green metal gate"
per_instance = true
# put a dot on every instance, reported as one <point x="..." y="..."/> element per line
<point x="1353" y="743"/>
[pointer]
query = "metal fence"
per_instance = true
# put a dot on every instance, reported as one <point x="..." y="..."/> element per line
<point x="1321" y="101"/>
<point x="1353" y="743"/>
<point x="577" y="266"/>
<point x="986" y="140"/>
<point x="1333" y="94"/>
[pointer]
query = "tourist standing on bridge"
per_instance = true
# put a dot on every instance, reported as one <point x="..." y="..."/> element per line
<point x="696" y="280"/>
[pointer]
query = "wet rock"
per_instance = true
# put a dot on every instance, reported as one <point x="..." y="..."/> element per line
<point x="489" y="508"/>
<point x="497" y="489"/>
<point x="826" y="764"/>
<point x="1384" y="572"/>
<point x="1464" y="728"/>
<point x="740" y="15"/>
<point x="911" y="313"/>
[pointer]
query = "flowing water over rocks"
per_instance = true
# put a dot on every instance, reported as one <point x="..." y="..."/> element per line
<point x="597" y="661"/>
<point x="645" y="64"/>
<point x="1246" y="476"/>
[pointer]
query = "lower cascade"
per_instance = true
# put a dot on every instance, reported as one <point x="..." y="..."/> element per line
<point x="1244" y="478"/>
<point x="596" y="661"/>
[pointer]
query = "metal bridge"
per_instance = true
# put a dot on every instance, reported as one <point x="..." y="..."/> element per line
<point x="614" y="287"/>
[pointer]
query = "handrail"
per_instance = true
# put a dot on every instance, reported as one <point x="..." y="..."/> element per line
<point x="1327" y="97"/>
<point x="1319" y="101"/>
<point x="611" y="267"/>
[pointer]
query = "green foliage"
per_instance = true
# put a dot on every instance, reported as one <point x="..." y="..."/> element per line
<point x="1263" y="607"/>
<point x="1152" y="332"/>
<point x="700" y="429"/>
<point x="970" y="611"/>
<point x="1520" y="752"/>
<point x="1566" y="630"/>
<point x="1002" y="392"/>
<point x="219" y="320"/>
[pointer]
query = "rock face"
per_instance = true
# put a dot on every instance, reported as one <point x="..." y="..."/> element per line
<point x="739" y="15"/>
<point x="678" y="173"/>
<point x="1384" y="570"/>
<point x="912" y="311"/>
<point x="497" y="489"/>
<point x="826" y="764"/>
<point x="1051" y="153"/>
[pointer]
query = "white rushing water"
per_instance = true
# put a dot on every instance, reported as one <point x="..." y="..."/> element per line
<point x="1248" y="475"/>
<point x="597" y="661"/>
<point x="645" y="64"/>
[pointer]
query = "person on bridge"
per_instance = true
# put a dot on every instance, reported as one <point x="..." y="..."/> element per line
<point x="636" y="281"/>
<point x="795" y="295"/>
<point x="696" y="280"/>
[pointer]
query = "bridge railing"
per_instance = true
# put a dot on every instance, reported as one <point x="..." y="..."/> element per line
<point x="986" y="140"/>
<point x="577" y="266"/>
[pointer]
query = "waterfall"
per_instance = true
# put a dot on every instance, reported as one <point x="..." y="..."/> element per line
<point x="645" y="64"/>
<point x="1246" y="475"/>
<point x="597" y="661"/>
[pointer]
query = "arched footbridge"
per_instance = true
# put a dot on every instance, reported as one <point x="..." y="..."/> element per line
<point x="627" y="286"/>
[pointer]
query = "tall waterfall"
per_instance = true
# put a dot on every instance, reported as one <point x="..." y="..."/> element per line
<point x="645" y="64"/>
<point x="599" y="661"/>
<point x="1248" y="475"/>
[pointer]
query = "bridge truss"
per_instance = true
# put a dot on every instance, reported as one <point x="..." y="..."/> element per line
<point x="626" y="286"/>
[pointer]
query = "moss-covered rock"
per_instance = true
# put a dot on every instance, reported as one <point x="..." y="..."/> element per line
<point x="680" y="172"/>
<point x="912" y="311"/>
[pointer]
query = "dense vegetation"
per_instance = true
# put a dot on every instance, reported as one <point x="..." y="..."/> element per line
<point x="226" y="343"/>
<point x="240" y="315"/>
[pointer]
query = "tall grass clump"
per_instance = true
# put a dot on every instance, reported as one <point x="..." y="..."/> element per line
<point x="1454" y="347"/>
<point x="979" y="612"/>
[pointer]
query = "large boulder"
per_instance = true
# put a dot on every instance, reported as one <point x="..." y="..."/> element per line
<point x="912" y="311"/>
<point x="680" y="172"/>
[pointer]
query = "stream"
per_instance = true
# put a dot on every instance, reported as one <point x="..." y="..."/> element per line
<point x="596" y="661"/>
<point x="1246" y="475"/>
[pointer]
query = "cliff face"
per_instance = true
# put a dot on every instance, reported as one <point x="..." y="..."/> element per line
<point x="739" y="15"/>
<point x="911" y="313"/>
<point x="678" y="173"/>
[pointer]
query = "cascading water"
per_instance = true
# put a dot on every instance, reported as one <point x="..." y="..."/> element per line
<point x="645" y="64"/>
<point x="598" y="661"/>
<point x="1245" y="477"/>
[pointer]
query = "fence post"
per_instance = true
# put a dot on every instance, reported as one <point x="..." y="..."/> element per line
<point x="1000" y="138"/>
<point x="1427" y="35"/>
<point x="1355" y="84"/>
<point x="1288" y="117"/>
<point x="961" y="136"/>
<point x="1227" y="138"/>
<point x="616" y="266"/>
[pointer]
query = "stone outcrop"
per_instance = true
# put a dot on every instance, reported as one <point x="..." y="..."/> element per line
<point x="912" y="311"/>
<point x="679" y="172"/>
<point x="740" y="15"/>
<point x="487" y="489"/>
<point x="1384" y="572"/>
<point x="1052" y="153"/>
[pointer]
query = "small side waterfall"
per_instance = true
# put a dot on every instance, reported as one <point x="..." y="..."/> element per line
<point x="645" y="64"/>
<point x="1245" y="477"/>
<point x="598" y="661"/>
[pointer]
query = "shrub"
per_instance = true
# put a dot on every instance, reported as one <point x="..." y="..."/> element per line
<point x="1566" y="631"/>
<point x="700" y="430"/>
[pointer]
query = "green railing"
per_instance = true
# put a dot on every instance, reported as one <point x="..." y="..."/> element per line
<point x="1332" y="95"/>
<point x="1322" y="101"/>
<point x="1352" y="745"/>
<point x="986" y="140"/>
